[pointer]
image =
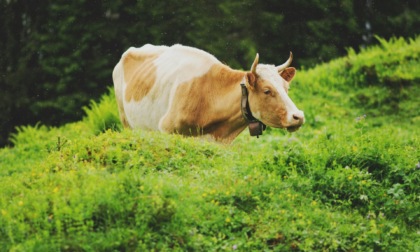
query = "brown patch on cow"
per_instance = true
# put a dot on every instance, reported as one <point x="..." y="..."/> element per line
<point x="288" y="73"/>
<point x="206" y="104"/>
<point x="121" y="111"/>
<point x="139" y="74"/>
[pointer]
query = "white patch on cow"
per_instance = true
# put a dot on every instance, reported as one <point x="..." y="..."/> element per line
<point x="270" y="73"/>
<point x="256" y="114"/>
<point x="139" y="114"/>
<point x="118" y="78"/>
<point x="175" y="65"/>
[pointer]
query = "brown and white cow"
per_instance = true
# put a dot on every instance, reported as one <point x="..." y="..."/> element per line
<point x="185" y="90"/>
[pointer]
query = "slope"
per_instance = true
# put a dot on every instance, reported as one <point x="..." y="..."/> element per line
<point x="346" y="181"/>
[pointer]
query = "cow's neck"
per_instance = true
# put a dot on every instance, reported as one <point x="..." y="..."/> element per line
<point x="228" y="122"/>
<point x="256" y="127"/>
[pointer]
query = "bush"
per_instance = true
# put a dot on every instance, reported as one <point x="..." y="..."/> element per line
<point x="103" y="115"/>
<point x="345" y="182"/>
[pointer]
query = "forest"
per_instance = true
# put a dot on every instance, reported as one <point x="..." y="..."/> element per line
<point x="57" y="56"/>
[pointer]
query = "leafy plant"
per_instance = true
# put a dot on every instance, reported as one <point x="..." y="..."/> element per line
<point x="103" y="115"/>
<point x="347" y="181"/>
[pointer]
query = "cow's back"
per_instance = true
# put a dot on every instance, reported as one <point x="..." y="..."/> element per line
<point x="146" y="78"/>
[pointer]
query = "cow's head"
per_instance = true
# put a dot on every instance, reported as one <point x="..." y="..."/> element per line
<point x="267" y="94"/>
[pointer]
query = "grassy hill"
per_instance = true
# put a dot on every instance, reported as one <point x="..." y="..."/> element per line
<point x="348" y="180"/>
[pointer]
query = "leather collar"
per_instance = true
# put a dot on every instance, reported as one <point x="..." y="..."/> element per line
<point x="256" y="127"/>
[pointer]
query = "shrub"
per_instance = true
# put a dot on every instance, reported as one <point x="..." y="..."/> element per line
<point x="347" y="181"/>
<point x="103" y="115"/>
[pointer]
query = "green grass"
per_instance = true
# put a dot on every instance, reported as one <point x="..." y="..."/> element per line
<point x="347" y="181"/>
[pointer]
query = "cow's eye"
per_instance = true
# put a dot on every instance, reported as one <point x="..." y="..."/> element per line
<point x="267" y="92"/>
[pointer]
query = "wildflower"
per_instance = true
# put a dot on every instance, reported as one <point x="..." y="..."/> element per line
<point x="235" y="247"/>
<point x="215" y="202"/>
<point x="55" y="190"/>
<point x="20" y="203"/>
<point x="371" y="215"/>
<point x="360" y="118"/>
<point x="364" y="197"/>
<point x="227" y="220"/>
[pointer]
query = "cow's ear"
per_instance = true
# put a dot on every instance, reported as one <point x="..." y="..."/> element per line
<point x="251" y="80"/>
<point x="288" y="73"/>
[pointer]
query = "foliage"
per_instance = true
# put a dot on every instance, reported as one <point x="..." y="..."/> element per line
<point x="102" y="116"/>
<point x="347" y="181"/>
<point x="58" y="55"/>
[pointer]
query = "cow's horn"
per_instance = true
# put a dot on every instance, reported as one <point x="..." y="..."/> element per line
<point x="254" y="65"/>
<point x="286" y="64"/>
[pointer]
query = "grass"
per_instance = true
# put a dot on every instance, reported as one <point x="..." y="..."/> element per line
<point x="347" y="181"/>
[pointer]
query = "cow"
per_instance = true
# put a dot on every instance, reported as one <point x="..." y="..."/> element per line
<point x="184" y="90"/>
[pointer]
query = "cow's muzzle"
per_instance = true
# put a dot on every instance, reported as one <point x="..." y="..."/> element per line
<point x="296" y="120"/>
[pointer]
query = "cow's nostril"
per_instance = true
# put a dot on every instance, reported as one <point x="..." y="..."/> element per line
<point x="297" y="117"/>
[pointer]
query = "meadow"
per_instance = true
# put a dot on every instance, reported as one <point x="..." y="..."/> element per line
<point x="348" y="180"/>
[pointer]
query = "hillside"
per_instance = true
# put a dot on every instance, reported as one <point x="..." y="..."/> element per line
<point x="346" y="181"/>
